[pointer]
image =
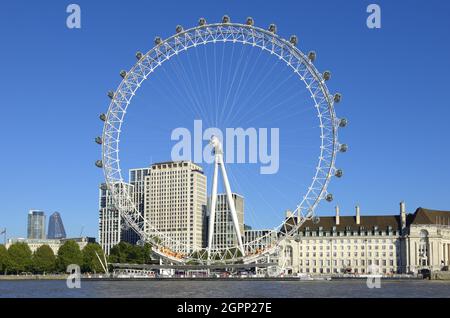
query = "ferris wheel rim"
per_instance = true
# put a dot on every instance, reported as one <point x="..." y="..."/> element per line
<point x="111" y="157"/>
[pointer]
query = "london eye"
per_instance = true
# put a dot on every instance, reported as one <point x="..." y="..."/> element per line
<point x="277" y="49"/>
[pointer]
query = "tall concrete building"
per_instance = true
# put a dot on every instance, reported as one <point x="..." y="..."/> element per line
<point x="56" y="227"/>
<point x="36" y="224"/>
<point x="175" y="202"/>
<point x="260" y="239"/>
<point x="137" y="180"/>
<point x="224" y="231"/>
<point x="112" y="228"/>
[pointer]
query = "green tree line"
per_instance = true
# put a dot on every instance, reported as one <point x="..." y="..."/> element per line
<point x="18" y="258"/>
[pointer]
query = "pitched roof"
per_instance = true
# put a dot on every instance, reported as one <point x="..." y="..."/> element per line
<point x="427" y="216"/>
<point x="383" y="222"/>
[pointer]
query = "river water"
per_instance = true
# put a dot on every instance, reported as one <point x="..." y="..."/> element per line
<point x="227" y="289"/>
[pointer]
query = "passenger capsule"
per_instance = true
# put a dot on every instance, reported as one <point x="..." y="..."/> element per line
<point x="343" y="122"/>
<point x="138" y="55"/>
<point x="294" y="40"/>
<point x="250" y="21"/>
<point x="339" y="173"/>
<point x="201" y="21"/>
<point x="123" y="74"/>
<point x="179" y="29"/>
<point x="326" y="75"/>
<point x="103" y="187"/>
<point x="337" y="97"/>
<point x="111" y="94"/>
<point x="158" y="40"/>
<point x="329" y="197"/>
<point x="102" y="117"/>
<point x="98" y="140"/>
<point x="99" y="164"/>
<point x="312" y="56"/>
<point x="273" y="28"/>
<point x="343" y="148"/>
<point x="226" y="19"/>
<point x="315" y="219"/>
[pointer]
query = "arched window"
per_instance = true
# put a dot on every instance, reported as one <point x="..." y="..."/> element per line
<point x="423" y="248"/>
<point x="288" y="255"/>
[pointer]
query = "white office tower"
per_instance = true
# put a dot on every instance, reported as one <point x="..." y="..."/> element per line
<point x="175" y="202"/>
<point x="111" y="225"/>
<point x="224" y="234"/>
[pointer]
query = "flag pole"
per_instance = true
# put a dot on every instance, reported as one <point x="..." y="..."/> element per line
<point x="4" y="235"/>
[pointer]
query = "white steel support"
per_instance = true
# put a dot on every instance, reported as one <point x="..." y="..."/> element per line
<point x="218" y="161"/>
<point x="212" y="213"/>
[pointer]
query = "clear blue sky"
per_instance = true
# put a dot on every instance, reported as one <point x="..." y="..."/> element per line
<point x="54" y="83"/>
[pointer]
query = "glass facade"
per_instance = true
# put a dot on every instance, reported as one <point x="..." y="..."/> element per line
<point x="56" y="227"/>
<point x="36" y="225"/>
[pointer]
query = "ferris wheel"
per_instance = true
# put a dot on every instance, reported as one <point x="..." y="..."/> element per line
<point x="205" y="34"/>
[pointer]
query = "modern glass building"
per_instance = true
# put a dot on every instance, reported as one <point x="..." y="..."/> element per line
<point x="36" y="224"/>
<point x="56" y="227"/>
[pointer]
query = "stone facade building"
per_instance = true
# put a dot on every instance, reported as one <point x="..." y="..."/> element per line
<point x="404" y="243"/>
<point x="54" y="244"/>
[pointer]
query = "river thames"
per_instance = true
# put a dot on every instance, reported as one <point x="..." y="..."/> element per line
<point x="226" y="289"/>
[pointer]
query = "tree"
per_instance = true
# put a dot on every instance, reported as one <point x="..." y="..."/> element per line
<point x="128" y="253"/>
<point x="91" y="262"/>
<point x="147" y="249"/>
<point x="44" y="259"/>
<point x="68" y="253"/>
<point x="19" y="257"/>
<point x="120" y="253"/>
<point x="4" y="259"/>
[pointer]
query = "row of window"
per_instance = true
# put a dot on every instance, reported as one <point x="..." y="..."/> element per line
<point x="348" y="247"/>
<point x="348" y="241"/>
<point x="346" y="263"/>
<point x="355" y="254"/>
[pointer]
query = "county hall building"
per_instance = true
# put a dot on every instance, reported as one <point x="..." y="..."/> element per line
<point x="393" y="244"/>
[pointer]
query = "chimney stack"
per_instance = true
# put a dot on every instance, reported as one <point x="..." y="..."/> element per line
<point x="289" y="214"/>
<point x="337" y="214"/>
<point x="403" y="214"/>
<point x="358" y="216"/>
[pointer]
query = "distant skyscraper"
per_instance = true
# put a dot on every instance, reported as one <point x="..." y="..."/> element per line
<point x="224" y="231"/>
<point x="56" y="227"/>
<point x="36" y="224"/>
